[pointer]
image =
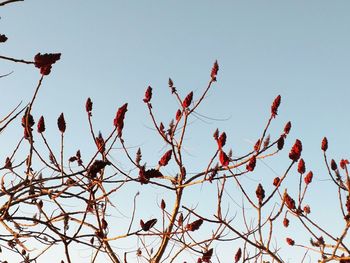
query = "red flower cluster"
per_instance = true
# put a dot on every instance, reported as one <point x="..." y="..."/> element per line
<point x="195" y="225"/>
<point x="221" y="140"/>
<point x="165" y="158"/>
<point x="295" y="152"/>
<point x="61" y="123"/>
<point x="41" y="125"/>
<point x="119" y="118"/>
<point x="44" y="62"/>
<point x="274" y="107"/>
<point x="280" y="143"/>
<point x="276" y="181"/>
<point x="88" y="106"/>
<point x="224" y="160"/>
<point x="324" y="144"/>
<point x="207" y="255"/>
<point x="301" y="166"/>
<point x="146" y="175"/>
<point x="285" y="222"/>
<point x="238" y="255"/>
<point x="214" y="71"/>
<point x="290" y="203"/>
<point x="290" y="241"/>
<point x="251" y="165"/>
<point x="287" y="127"/>
<point x="100" y="143"/>
<point x="260" y="193"/>
<point x="178" y="115"/>
<point x="27" y="123"/>
<point x="187" y="101"/>
<point x="307" y="209"/>
<point x="308" y="178"/>
<point x="148" y="95"/>
<point x="344" y="163"/>
<point x="96" y="168"/>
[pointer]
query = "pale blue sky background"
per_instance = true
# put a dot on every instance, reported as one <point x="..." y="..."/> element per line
<point x="112" y="50"/>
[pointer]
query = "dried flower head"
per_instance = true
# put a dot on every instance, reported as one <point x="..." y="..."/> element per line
<point x="61" y="123"/>
<point x="27" y="120"/>
<point x="251" y="165"/>
<point x="257" y="145"/>
<point x="290" y="203"/>
<point x="287" y="128"/>
<point x="216" y="134"/>
<point x="280" y="143"/>
<point x="276" y="181"/>
<point x="214" y="71"/>
<point x="178" y="115"/>
<point x="307" y="209"/>
<point x="266" y="141"/>
<point x="224" y="160"/>
<point x="194" y="225"/>
<point x="308" y="177"/>
<point x="301" y="166"/>
<point x="41" y="125"/>
<point x="96" y="167"/>
<point x="162" y="204"/>
<point x="119" y="118"/>
<point x="165" y="158"/>
<point x="238" y="255"/>
<point x="344" y="163"/>
<point x="88" y="105"/>
<point x="290" y="241"/>
<point x="100" y="143"/>
<point x="222" y="140"/>
<point x="274" y="107"/>
<point x="187" y="101"/>
<point x="260" y="193"/>
<point x="324" y="144"/>
<point x="207" y="255"/>
<point x="295" y="152"/>
<point x="44" y="62"/>
<point x="334" y="165"/>
<point x="148" y="95"/>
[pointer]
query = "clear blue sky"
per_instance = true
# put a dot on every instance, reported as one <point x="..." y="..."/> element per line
<point x="112" y="50"/>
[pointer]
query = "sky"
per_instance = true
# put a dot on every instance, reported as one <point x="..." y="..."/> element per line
<point x="112" y="50"/>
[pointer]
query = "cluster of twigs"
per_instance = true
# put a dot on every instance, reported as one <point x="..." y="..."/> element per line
<point x="35" y="191"/>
